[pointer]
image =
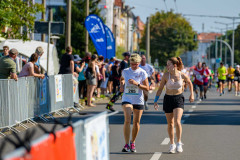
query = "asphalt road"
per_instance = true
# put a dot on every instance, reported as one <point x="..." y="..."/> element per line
<point x="210" y="130"/>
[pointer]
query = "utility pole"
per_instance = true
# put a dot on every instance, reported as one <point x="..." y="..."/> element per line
<point x="221" y="47"/>
<point x="148" y="40"/>
<point x="127" y="32"/>
<point x="86" y="32"/>
<point x="68" y="27"/>
<point x="50" y="18"/>
<point x="43" y="17"/>
<point x="233" y="41"/>
<point x="225" y="46"/>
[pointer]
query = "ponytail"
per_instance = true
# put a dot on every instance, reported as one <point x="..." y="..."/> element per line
<point x="179" y="64"/>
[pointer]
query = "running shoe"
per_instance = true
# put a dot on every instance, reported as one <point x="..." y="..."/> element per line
<point x="172" y="148"/>
<point x="132" y="147"/>
<point x="205" y="97"/>
<point x="196" y="96"/>
<point x="126" y="148"/>
<point x="236" y="94"/>
<point x="220" y="94"/>
<point x="179" y="147"/>
<point x="110" y="108"/>
<point x="223" y="91"/>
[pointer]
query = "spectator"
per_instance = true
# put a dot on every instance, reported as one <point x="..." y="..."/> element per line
<point x="110" y="80"/>
<point x="8" y="66"/>
<point x="67" y="63"/>
<point x="91" y="76"/>
<point x="116" y="76"/>
<point x="101" y="76"/>
<point x="124" y="64"/>
<point x="5" y="51"/>
<point x="37" y="68"/>
<point x="105" y="81"/>
<point x="79" y="67"/>
<point x="28" y="69"/>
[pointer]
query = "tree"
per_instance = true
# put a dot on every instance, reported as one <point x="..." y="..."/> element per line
<point x="15" y="14"/>
<point x="78" y="28"/>
<point x="170" y="35"/>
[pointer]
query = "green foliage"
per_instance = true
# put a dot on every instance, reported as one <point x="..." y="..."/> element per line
<point x="78" y="28"/>
<point x="170" y="35"/>
<point x="120" y="50"/>
<point x="15" y="14"/>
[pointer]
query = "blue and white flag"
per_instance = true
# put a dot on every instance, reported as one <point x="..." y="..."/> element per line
<point x="96" y="30"/>
<point x="110" y="43"/>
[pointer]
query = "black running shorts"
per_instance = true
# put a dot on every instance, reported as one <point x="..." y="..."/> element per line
<point x="135" y="106"/>
<point x="170" y="102"/>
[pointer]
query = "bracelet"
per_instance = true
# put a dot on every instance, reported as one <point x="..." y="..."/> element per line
<point x="156" y="99"/>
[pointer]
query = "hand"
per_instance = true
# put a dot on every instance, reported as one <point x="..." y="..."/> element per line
<point x="42" y="76"/>
<point x="83" y="63"/>
<point x="121" y="89"/>
<point x="156" y="106"/>
<point x="191" y="98"/>
<point x="131" y="81"/>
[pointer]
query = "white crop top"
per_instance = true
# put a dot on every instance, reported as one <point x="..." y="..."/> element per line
<point x="174" y="85"/>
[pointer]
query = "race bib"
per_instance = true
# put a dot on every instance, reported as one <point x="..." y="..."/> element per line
<point x="199" y="77"/>
<point x="132" y="90"/>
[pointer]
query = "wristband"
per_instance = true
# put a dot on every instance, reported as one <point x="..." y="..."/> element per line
<point x="156" y="99"/>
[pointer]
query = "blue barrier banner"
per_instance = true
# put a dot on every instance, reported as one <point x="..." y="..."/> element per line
<point x="43" y="91"/>
<point x="110" y="43"/>
<point x="96" y="30"/>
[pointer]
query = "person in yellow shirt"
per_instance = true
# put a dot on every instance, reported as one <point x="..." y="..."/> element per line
<point x="230" y="78"/>
<point x="222" y="74"/>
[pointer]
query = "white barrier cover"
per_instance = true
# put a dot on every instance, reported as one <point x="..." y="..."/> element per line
<point x="96" y="139"/>
<point x="58" y="88"/>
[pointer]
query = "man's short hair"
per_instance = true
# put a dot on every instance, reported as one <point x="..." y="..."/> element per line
<point x="39" y="50"/>
<point x="5" y="47"/>
<point x="13" y="51"/>
<point x="69" y="49"/>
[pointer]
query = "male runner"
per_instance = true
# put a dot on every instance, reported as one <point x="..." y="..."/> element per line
<point x="150" y="71"/>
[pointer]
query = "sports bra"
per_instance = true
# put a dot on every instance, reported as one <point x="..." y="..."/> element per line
<point x="174" y="85"/>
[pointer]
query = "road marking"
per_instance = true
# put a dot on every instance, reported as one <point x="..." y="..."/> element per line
<point x="182" y="121"/>
<point x="156" y="156"/>
<point x="193" y="106"/>
<point x="186" y="115"/>
<point x="190" y="110"/>
<point x="165" y="141"/>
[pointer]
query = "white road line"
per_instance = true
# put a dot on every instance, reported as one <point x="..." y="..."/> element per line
<point x="186" y="115"/>
<point x="182" y="121"/>
<point x="194" y="106"/>
<point x="156" y="156"/>
<point x="165" y="141"/>
<point x="190" y="110"/>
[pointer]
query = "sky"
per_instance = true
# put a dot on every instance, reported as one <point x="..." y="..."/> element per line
<point x="230" y="8"/>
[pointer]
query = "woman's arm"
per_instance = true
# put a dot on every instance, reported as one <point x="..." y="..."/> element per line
<point x="188" y="81"/>
<point x="162" y="84"/>
<point x="31" y="72"/>
<point x="103" y="70"/>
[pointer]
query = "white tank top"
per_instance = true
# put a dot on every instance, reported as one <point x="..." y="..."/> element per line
<point x="174" y="85"/>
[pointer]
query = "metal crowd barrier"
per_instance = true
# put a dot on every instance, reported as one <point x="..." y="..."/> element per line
<point x="91" y="139"/>
<point x="30" y="97"/>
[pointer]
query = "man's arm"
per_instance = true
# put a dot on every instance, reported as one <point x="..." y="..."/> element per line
<point x="72" y="66"/>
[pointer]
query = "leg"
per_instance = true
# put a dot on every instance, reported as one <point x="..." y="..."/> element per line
<point x="170" y="121"/>
<point x="178" y="112"/>
<point x="127" y="109"/>
<point x="137" y="114"/>
<point x="91" y="89"/>
<point x="220" y="86"/>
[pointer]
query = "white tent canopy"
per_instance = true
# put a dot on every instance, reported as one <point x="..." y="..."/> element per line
<point x="27" y="48"/>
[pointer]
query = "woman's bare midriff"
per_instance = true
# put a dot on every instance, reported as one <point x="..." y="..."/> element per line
<point x="174" y="91"/>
